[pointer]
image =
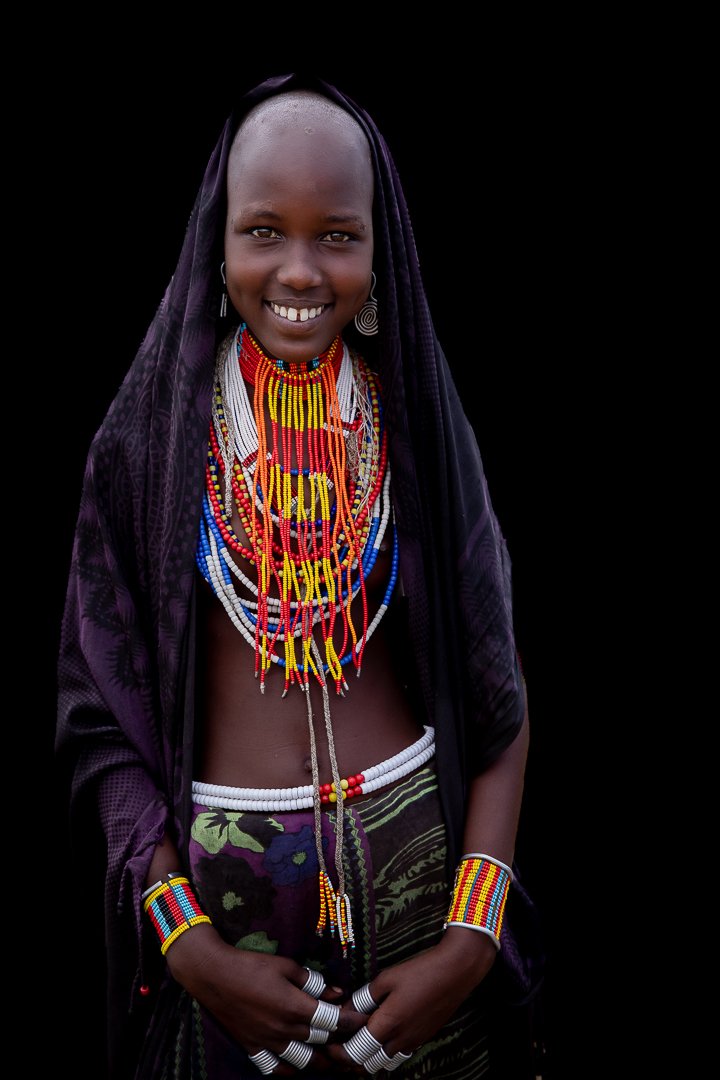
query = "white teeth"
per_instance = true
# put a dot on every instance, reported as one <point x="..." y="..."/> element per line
<point x="293" y="314"/>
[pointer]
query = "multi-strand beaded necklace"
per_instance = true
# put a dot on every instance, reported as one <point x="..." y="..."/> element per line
<point x="312" y="493"/>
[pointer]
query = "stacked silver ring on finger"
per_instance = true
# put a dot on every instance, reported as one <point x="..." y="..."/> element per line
<point x="318" y="1036"/>
<point x="315" y="983"/>
<point x="265" y="1061"/>
<point x="362" y="1045"/>
<point x="326" y="1016"/>
<point x="363" y="1000"/>
<point x="381" y="1060"/>
<point x="297" y="1054"/>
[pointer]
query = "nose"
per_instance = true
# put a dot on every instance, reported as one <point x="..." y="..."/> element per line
<point x="299" y="267"/>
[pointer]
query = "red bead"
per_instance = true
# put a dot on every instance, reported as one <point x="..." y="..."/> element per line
<point x="325" y="798"/>
<point x="357" y="790"/>
<point x="360" y="778"/>
<point x="144" y="990"/>
<point x="326" y="789"/>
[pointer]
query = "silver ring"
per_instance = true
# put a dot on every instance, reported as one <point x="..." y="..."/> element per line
<point x="315" y="983"/>
<point x="297" y="1054"/>
<point x="382" y="1060"/>
<point x="326" y="1016"/>
<point x="265" y="1061"/>
<point x="376" y="1062"/>
<point x="363" y="1001"/>
<point x="362" y="1045"/>
<point x="318" y="1036"/>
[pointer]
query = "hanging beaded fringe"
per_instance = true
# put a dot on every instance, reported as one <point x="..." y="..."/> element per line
<point x="328" y="536"/>
<point x="314" y="529"/>
<point x="334" y="905"/>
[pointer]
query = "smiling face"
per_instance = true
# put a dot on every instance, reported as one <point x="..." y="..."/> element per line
<point x="298" y="236"/>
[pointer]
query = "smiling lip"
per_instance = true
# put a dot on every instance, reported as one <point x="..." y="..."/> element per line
<point x="297" y="312"/>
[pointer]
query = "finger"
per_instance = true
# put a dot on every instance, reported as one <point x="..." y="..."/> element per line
<point x="326" y="1016"/>
<point x="361" y="1046"/>
<point x="363" y="1001"/>
<point x="383" y="1060"/>
<point x="364" y="1055"/>
<point x="297" y="1053"/>
<point x="264" y="1061"/>
<point x="299" y="1056"/>
<point x="315" y="985"/>
<point x="317" y="1037"/>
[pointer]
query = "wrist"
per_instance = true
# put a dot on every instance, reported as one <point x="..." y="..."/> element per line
<point x="480" y="892"/>
<point x="173" y="909"/>
<point x="470" y="955"/>
<point x="191" y="958"/>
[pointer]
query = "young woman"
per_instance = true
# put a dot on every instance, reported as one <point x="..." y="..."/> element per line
<point x="289" y="687"/>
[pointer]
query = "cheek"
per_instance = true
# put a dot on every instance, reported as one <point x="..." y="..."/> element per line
<point x="357" y="282"/>
<point x="242" y="275"/>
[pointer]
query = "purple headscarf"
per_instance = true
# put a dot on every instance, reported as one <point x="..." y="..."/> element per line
<point x="127" y="644"/>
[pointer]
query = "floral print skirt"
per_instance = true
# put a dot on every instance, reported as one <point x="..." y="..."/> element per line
<point x="256" y="876"/>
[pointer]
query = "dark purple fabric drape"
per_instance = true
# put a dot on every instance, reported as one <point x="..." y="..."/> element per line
<point x="124" y="725"/>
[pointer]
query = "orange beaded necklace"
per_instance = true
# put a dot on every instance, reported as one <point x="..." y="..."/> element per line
<point x="305" y="466"/>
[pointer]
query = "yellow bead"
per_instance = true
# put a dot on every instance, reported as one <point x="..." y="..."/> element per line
<point x="332" y="797"/>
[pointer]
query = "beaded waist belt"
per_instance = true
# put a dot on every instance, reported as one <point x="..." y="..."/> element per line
<point x="301" y="798"/>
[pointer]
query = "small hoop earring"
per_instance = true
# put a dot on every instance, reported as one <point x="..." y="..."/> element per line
<point x="366" y="319"/>
<point x="224" y="297"/>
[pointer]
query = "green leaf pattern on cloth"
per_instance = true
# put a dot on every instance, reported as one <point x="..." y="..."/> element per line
<point x="213" y="829"/>
<point x="258" y="942"/>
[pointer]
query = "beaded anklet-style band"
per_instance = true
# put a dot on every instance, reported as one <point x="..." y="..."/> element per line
<point x="173" y="908"/>
<point x="479" y="895"/>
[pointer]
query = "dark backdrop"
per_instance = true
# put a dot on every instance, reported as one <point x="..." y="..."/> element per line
<point x="496" y="172"/>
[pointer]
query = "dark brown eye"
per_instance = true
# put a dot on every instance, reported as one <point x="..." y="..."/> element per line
<point x="336" y="237"/>
<point x="264" y="232"/>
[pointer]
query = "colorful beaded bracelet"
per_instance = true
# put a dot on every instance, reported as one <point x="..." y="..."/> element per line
<point x="173" y="908"/>
<point x="479" y="895"/>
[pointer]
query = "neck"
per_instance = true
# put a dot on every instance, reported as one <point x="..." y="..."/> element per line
<point x="252" y="355"/>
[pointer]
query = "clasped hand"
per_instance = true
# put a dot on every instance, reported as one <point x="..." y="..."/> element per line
<point x="287" y="1019"/>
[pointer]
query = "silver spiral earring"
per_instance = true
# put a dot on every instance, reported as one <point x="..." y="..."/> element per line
<point x="366" y="319"/>
<point x="223" y="298"/>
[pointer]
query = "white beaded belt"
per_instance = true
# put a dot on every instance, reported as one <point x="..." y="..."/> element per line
<point x="302" y="798"/>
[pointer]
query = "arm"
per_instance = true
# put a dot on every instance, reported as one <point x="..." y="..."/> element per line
<point x="257" y="998"/>
<point x="416" y="998"/>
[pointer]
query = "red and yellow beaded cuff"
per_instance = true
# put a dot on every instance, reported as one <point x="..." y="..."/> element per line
<point x="173" y="908"/>
<point x="479" y="895"/>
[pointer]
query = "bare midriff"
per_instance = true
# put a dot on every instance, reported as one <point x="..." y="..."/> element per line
<point x="254" y="739"/>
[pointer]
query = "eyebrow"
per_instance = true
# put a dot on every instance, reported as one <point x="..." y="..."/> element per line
<point x="330" y="219"/>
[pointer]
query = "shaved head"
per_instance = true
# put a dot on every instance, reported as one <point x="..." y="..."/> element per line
<point x="306" y="117"/>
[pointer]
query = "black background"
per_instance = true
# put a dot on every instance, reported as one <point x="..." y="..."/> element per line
<point x="499" y="156"/>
